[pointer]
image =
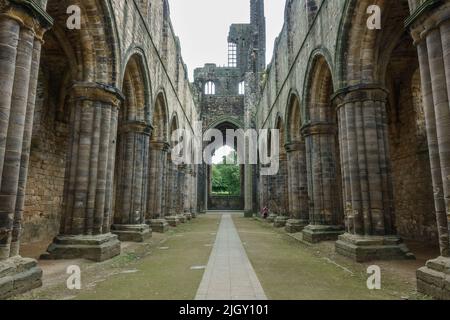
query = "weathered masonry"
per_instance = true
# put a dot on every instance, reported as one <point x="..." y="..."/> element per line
<point x="87" y="115"/>
<point x="365" y="118"/>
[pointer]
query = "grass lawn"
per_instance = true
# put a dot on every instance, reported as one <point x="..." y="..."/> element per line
<point x="159" y="269"/>
<point x="290" y="270"/>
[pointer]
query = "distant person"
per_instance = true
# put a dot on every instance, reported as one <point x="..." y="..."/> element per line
<point x="265" y="212"/>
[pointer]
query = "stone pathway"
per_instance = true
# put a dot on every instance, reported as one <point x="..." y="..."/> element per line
<point x="229" y="274"/>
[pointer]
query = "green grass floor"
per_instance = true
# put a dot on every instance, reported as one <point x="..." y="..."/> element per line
<point x="291" y="270"/>
<point x="160" y="269"/>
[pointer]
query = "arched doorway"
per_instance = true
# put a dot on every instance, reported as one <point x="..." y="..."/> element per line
<point x="133" y="140"/>
<point x="231" y="197"/>
<point x="320" y="132"/>
<point x="297" y="169"/>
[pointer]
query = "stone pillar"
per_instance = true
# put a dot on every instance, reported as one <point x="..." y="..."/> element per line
<point x="171" y="214"/>
<point x="325" y="212"/>
<point x="180" y="194"/>
<point x="86" y="217"/>
<point x="132" y="183"/>
<point x="430" y="26"/>
<point x="248" y="190"/>
<point x="281" y="192"/>
<point x="366" y="174"/>
<point x="186" y="192"/>
<point x="194" y="191"/>
<point x="263" y="191"/>
<point x="155" y="209"/>
<point x="298" y="188"/>
<point x="21" y="31"/>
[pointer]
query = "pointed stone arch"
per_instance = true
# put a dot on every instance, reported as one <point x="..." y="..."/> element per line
<point x="297" y="170"/>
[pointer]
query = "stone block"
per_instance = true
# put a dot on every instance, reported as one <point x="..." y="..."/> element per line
<point x="369" y="248"/>
<point x="132" y="233"/>
<point x="271" y="218"/>
<point x="295" y="225"/>
<point x="280" y="221"/>
<point x="97" y="248"/>
<point x="173" y="221"/>
<point x="434" y="278"/>
<point x="18" y="275"/>
<point x="159" y="225"/>
<point x="318" y="233"/>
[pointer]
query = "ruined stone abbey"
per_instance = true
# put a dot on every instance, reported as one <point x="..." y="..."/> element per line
<point x="87" y="115"/>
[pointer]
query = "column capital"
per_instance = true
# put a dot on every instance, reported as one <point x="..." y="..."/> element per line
<point x="29" y="15"/>
<point x="318" y="128"/>
<point x="426" y="18"/>
<point x="137" y="127"/>
<point x="294" y="146"/>
<point x="360" y="93"/>
<point x="94" y="91"/>
<point x="159" y="145"/>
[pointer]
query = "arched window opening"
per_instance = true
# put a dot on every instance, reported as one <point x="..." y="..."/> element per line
<point x="210" y="88"/>
<point x="242" y="88"/>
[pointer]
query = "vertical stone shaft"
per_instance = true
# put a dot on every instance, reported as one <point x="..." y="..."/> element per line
<point x="16" y="126"/>
<point x="131" y="203"/>
<point x="298" y="184"/>
<point x="158" y="159"/>
<point x="438" y="46"/>
<point x="86" y="219"/>
<point x="24" y="163"/>
<point x="9" y="37"/>
<point x="282" y="186"/>
<point x="322" y="177"/>
<point x="433" y="149"/>
<point x="366" y="170"/>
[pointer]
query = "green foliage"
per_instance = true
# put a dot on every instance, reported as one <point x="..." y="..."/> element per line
<point x="226" y="179"/>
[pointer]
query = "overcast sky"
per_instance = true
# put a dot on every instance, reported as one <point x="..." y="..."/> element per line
<point x="203" y="25"/>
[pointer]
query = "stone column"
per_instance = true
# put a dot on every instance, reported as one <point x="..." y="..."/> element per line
<point x="158" y="161"/>
<point x="263" y="191"/>
<point x="21" y="32"/>
<point x="132" y="183"/>
<point x="187" y="189"/>
<point x="430" y="26"/>
<point x="180" y="186"/>
<point x="281" y="192"/>
<point x="325" y="213"/>
<point x="194" y="191"/>
<point x="86" y="217"/>
<point x="248" y="190"/>
<point x="298" y="188"/>
<point x="366" y="174"/>
<point x="171" y="191"/>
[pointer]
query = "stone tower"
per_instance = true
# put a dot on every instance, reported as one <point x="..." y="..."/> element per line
<point x="258" y="24"/>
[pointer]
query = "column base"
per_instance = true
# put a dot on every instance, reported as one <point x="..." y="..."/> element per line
<point x="188" y="216"/>
<point x="182" y="218"/>
<point x="434" y="279"/>
<point x="132" y="233"/>
<point x="295" y="225"/>
<point x="271" y="218"/>
<point x="193" y="214"/>
<point x="369" y="248"/>
<point x="280" y="221"/>
<point x="173" y="221"/>
<point x="248" y="214"/>
<point x="319" y="233"/>
<point x="97" y="248"/>
<point x="159" y="225"/>
<point x="18" y="275"/>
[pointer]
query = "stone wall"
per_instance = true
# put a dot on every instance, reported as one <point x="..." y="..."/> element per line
<point x="225" y="203"/>
<point x="134" y="27"/>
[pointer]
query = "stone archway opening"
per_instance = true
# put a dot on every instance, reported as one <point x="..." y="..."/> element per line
<point x="411" y="174"/>
<point x="231" y="197"/>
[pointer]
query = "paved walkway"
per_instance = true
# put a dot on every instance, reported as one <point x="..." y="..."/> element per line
<point x="229" y="274"/>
